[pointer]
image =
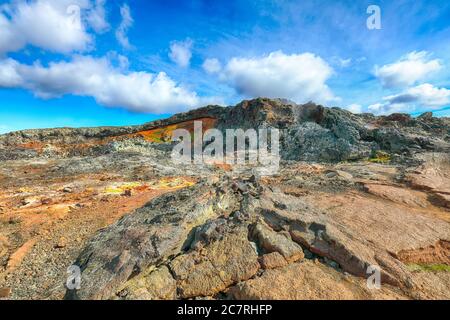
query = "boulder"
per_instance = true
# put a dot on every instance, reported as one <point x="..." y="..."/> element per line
<point x="157" y="285"/>
<point x="271" y="241"/>
<point x="219" y="265"/>
<point x="272" y="261"/>
<point x="144" y="238"/>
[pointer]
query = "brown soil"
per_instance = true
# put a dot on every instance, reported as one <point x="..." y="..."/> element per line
<point x="438" y="253"/>
<point x="44" y="227"/>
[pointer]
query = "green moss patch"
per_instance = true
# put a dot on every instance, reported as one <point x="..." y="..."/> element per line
<point x="380" y="157"/>
<point x="414" y="267"/>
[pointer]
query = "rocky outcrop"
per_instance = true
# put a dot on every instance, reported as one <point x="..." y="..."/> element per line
<point x="222" y="263"/>
<point x="151" y="235"/>
<point x="271" y="241"/>
<point x="309" y="132"/>
<point x="307" y="281"/>
<point x="228" y="244"/>
<point x="272" y="261"/>
<point x="353" y="193"/>
<point x="158" y="284"/>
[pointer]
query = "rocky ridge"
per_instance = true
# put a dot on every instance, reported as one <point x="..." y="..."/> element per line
<point x="309" y="132"/>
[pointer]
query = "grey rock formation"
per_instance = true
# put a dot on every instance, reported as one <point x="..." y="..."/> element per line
<point x="309" y="132"/>
<point x="151" y="235"/>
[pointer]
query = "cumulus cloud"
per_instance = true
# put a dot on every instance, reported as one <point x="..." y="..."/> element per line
<point x="422" y="96"/>
<point x="9" y="77"/>
<point x="59" y="26"/>
<point x="425" y="94"/>
<point x="354" y="108"/>
<point x="180" y="52"/>
<point x="212" y="65"/>
<point x="125" y="24"/>
<point x="298" y="77"/>
<point x="377" y="108"/>
<point x="100" y="79"/>
<point x="411" y="68"/>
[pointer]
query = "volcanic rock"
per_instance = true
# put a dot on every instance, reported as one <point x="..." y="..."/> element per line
<point x="352" y="192"/>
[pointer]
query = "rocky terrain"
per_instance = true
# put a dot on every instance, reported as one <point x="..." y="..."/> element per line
<point x="352" y="191"/>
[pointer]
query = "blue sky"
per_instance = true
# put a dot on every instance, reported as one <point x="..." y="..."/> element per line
<point x="110" y="62"/>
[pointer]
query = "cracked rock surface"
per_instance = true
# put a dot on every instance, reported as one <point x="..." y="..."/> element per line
<point x="254" y="242"/>
<point x="352" y="192"/>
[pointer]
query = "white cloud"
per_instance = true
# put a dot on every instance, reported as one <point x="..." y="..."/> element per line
<point x="425" y="94"/>
<point x="55" y="25"/>
<point x="97" y="17"/>
<point x="341" y="62"/>
<point x="98" y="78"/>
<point x="9" y="77"/>
<point x="422" y="96"/>
<point x="180" y="53"/>
<point x="354" y="108"/>
<point x="125" y="24"/>
<point x="9" y="38"/>
<point x="299" y="77"/>
<point x="411" y="68"/>
<point x="212" y="65"/>
<point x="345" y="62"/>
<point x="376" y="108"/>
